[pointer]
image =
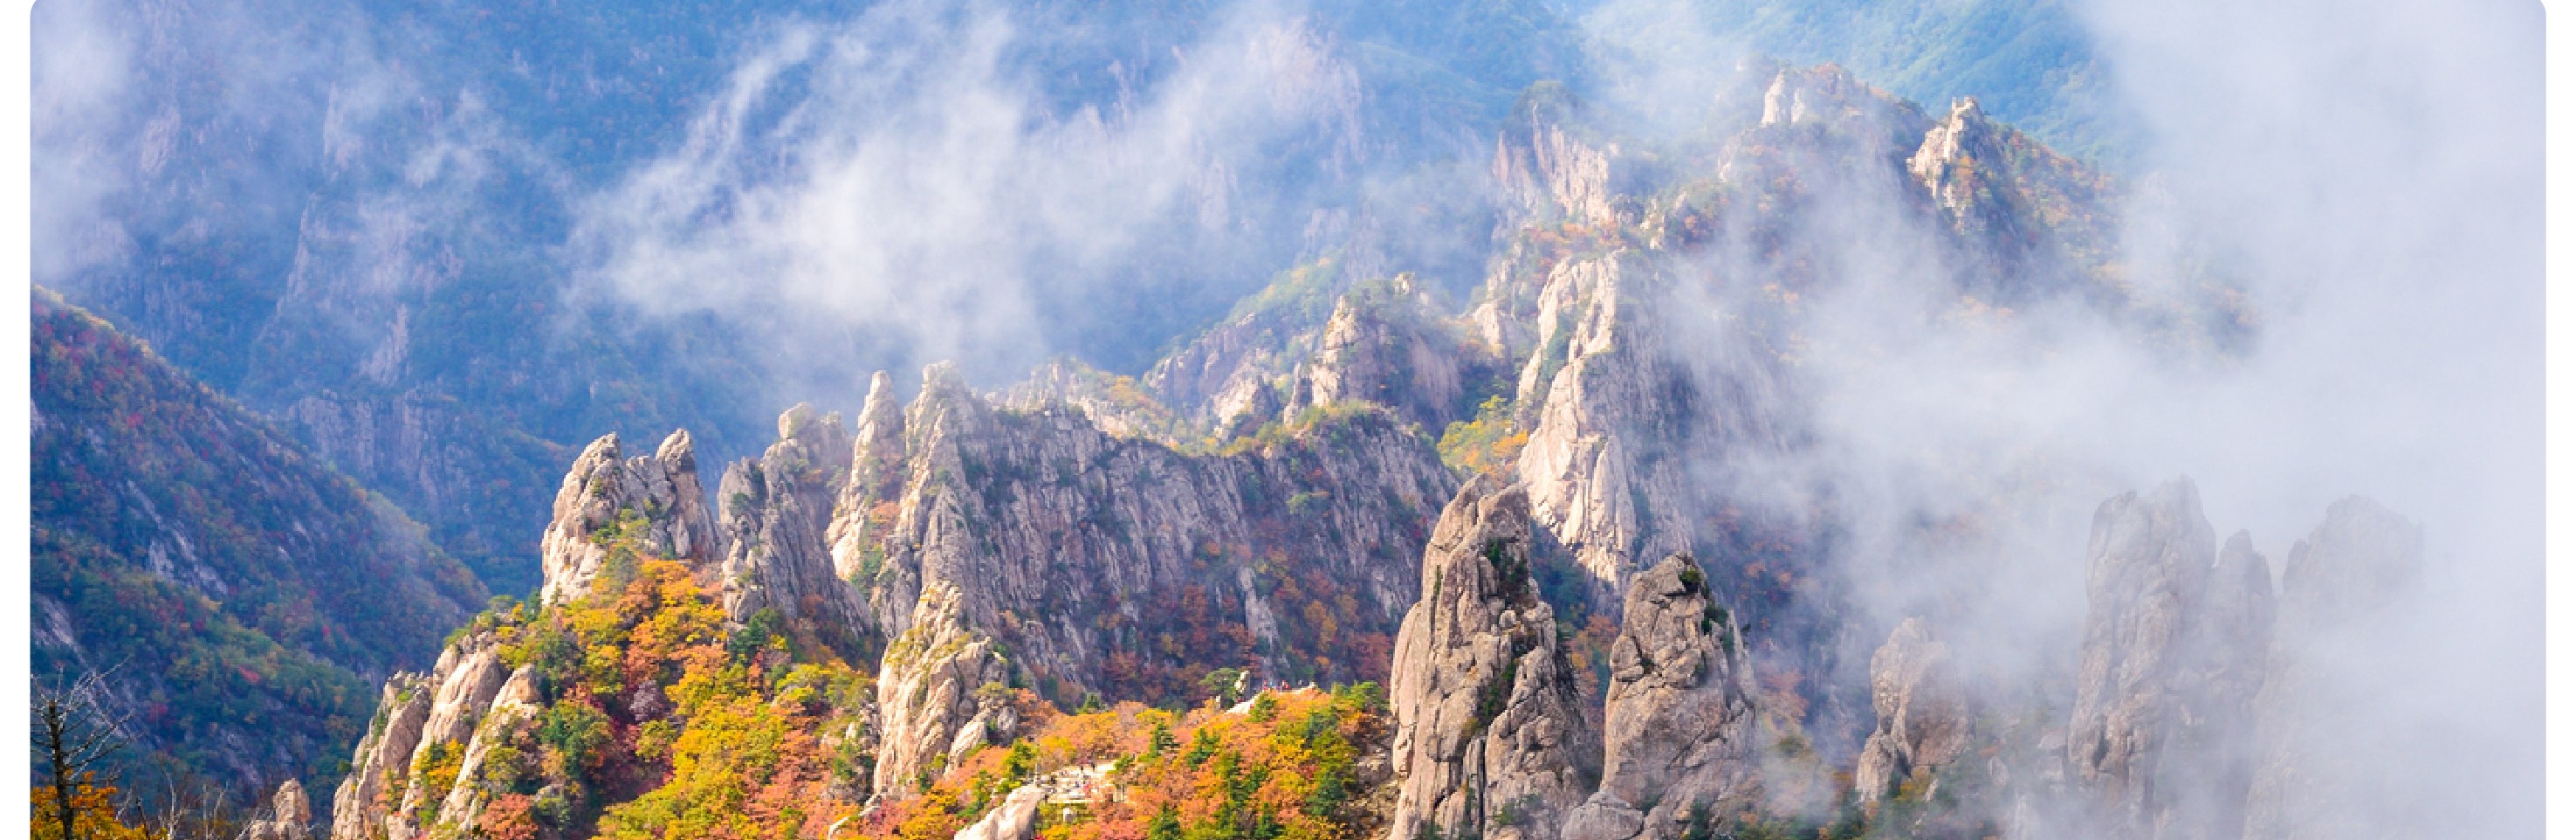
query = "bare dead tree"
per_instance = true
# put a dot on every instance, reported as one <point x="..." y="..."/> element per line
<point x="187" y="805"/>
<point x="75" y="735"/>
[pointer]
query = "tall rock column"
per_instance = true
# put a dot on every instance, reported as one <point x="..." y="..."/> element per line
<point x="776" y="512"/>
<point x="2164" y="671"/>
<point x="1489" y="738"/>
<point x="1922" y="711"/>
<point x="926" y="691"/>
<point x="1679" y="726"/>
<point x="2339" y="592"/>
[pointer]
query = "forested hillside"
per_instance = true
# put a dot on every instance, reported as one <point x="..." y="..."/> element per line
<point x="245" y="598"/>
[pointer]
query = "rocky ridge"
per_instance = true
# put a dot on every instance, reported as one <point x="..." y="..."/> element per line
<point x="606" y="492"/>
<point x="1490" y="740"/>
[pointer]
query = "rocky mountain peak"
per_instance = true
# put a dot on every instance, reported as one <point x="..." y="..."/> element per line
<point x="927" y="690"/>
<point x="290" y="816"/>
<point x="2171" y="637"/>
<point x="654" y="500"/>
<point x="1490" y="739"/>
<point x="777" y="510"/>
<point x="2341" y="593"/>
<point x="1678" y="728"/>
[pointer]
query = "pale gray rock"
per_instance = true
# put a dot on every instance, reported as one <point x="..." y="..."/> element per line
<point x="1490" y="740"/>
<point x="2166" y="666"/>
<point x="444" y="709"/>
<point x="1923" y="716"/>
<point x="1068" y="544"/>
<point x="290" y="816"/>
<point x="2319" y="771"/>
<point x="1385" y="345"/>
<point x="926" y="691"/>
<point x="385" y="752"/>
<point x="776" y="513"/>
<point x="660" y="489"/>
<point x="1016" y="818"/>
<point x="1678" y="729"/>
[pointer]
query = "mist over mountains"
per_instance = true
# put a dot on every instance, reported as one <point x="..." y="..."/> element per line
<point x="1761" y="373"/>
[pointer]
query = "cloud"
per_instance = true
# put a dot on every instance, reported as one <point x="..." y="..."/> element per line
<point x="2366" y="176"/>
<point x="83" y="71"/>
<point x="904" y="176"/>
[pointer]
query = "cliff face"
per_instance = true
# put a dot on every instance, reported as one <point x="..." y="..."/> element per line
<point x="776" y="519"/>
<point x="1490" y="740"/>
<point x="430" y="737"/>
<point x="1680" y="719"/>
<point x="2170" y="643"/>
<point x="1062" y="539"/>
<point x="1385" y="345"/>
<point x="931" y="690"/>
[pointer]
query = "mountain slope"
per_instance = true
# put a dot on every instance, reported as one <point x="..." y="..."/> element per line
<point x="244" y="596"/>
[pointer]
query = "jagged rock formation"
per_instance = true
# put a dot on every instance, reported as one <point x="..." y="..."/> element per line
<point x="1601" y="401"/>
<point x="1016" y="818"/>
<point x="1922" y="710"/>
<point x="1490" y="741"/>
<point x="929" y="691"/>
<point x="1118" y="405"/>
<point x="660" y="491"/>
<point x="1957" y="165"/>
<point x="1830" y="97"/>
<point x="1068" y="544"/>
<point x="1678" y="730"/>
<point x="290" y="816"/>
<point x="2170" y="640"/>
<point x="2339" y="589"/>
<point x="1549" y="173"/>
<point x="1385" y="345"/>
<point x="776" y="512"/>
<point x="423" y="716"/>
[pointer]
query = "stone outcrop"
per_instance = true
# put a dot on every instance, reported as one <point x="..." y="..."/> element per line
<point x="515" y="704"/>
<point x="1549" y="172"/>
<point x="1385" y="345"/>
<point x="777" y="510"/>
<point x="1490" y="740"/>
<point x="442" y="711"/>
<point x="1923" y="716"/>
<point x="1068" y="545"/>
<point x="928" y="692"/>
<point x="1827" y="95"/>
<point x="290" y="816"/>
<point x="1118" y="405"/>
<point x="1599" y="400"/>
<point x="1678" y="728"/>
<point x="2170" y="637"/>
<point x="1961" y="165"/>
<point x="659" y="492"/>
<point x="1016" y="818"/>
<point x="2340" y="591"/>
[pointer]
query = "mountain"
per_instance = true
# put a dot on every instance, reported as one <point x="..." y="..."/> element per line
<point x="359" y="220"/>
<point x="242" y="596"/>
<point x="362" y="221"/>
<point x="1497" y="508"/>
